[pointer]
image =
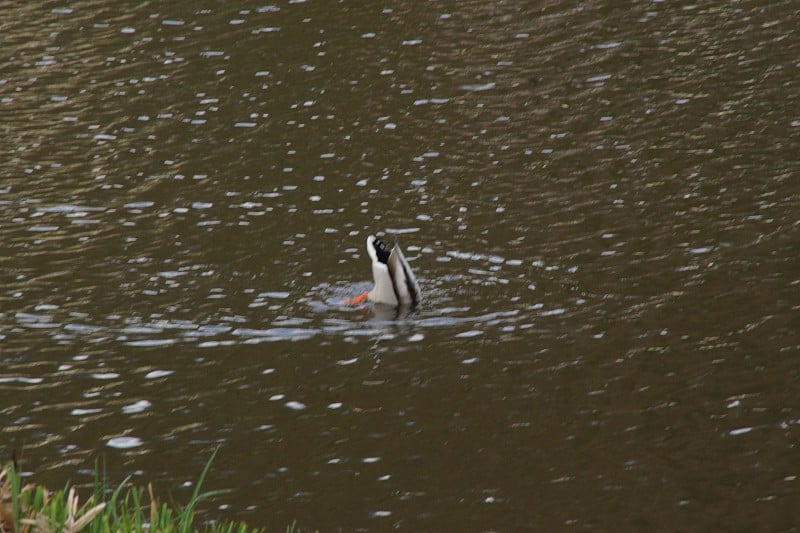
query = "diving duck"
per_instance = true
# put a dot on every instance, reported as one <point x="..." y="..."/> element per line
<point x="395" y="284"/>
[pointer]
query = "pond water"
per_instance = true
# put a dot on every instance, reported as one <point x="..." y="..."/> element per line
<point x="600" y="200"/>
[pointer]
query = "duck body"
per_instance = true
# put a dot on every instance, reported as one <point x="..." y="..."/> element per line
<point x="395" y="283"/>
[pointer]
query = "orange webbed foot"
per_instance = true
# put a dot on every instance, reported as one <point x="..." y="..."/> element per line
<point x="357" y="300"/>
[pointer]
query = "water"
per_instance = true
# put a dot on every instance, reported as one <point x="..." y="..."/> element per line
<point x="599" y="200"/>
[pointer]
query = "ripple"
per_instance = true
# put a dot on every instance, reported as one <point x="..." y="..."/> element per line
<point x="155" y="374"/>
<point x="43" y="229"/>
<point x="82" y="412"/>
<point x="150" y="343"/>
<point x="136" y="407"/>
<point x="124" y="443"/>
<point x="276" y="294"/>
<point x="105" y="376"/>
<point x="479" y="87"/>
<point x="277" y="333"/>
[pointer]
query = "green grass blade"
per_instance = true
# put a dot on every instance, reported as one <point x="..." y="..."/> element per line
<point x="187" y="514"/>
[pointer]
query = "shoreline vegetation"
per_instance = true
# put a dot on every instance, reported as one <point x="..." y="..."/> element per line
<point x="29" y="508"/>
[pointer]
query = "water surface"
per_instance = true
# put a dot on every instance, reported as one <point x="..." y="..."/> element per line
<point x="600" y="202"/>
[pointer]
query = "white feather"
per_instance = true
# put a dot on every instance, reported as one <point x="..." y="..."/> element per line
<point x="383" y="292"/>
<point x="395" y="283"/>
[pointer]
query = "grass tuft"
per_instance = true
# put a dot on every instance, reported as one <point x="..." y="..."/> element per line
<point x="32" y="508"/>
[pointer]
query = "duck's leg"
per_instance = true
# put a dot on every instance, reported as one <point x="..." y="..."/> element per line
<point x="358" y="299"/>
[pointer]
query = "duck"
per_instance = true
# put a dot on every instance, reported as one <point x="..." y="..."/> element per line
<point x="395" y="283"/>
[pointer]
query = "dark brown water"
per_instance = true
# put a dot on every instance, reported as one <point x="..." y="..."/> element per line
<point x="600" y="199"/>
